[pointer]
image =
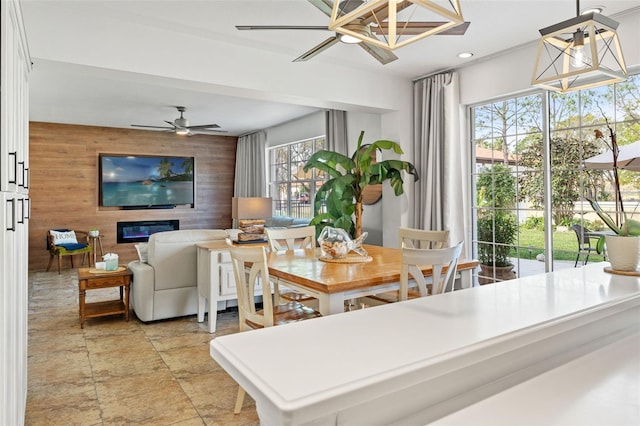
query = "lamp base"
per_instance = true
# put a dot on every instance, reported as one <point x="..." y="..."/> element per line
<point x="251" y="230"/>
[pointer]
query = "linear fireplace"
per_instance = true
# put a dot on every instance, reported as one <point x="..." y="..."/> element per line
<point x="134" y="232"/>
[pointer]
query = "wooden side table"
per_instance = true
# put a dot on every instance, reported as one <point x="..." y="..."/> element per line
<point x="91" y="279"/>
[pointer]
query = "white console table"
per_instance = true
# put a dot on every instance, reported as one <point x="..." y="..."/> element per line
<point x="421" y="360"/>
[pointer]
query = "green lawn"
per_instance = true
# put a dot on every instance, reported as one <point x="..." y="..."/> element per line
<point x="565" y="245"/>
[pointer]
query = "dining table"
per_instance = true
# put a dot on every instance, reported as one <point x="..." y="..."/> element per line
<point x="334" y="281"/>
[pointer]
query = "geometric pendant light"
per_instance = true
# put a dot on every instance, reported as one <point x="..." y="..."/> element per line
<point x="391" y="24"/>
<point x="579" y="53"/>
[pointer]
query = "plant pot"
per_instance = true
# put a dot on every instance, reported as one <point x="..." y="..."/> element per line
<point x="623" y="252"/>
<point x="94" y="233"/>
<point x="490" y="274"/>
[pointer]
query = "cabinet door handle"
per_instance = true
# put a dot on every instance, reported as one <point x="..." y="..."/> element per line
<point x="21" y="215"/>
<point x="21" y="164"/>
<point x="28" y="210"/>
<point x="26" y="178"/>
<point x="15" y="167"/>
<point x="11" y="213"/>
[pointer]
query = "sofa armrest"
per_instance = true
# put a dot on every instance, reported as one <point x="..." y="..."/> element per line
<point x="142" y="289"/>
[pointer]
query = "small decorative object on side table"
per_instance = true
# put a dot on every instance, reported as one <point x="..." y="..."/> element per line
<point x="91" y="279"/>
<point x="96" y="241"/>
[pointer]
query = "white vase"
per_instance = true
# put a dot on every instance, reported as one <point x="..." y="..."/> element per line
<point x="623" y="252"/>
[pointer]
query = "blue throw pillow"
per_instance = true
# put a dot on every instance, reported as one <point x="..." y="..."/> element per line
<point x="71" y="246"/>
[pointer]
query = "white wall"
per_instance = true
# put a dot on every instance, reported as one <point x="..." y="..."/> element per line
<point x="511" y="72"/>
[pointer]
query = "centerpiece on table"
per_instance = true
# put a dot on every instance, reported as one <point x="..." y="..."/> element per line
<point x="335" y="244"/>
<point x="623" y="248"/>
<point x="339" y="199"/>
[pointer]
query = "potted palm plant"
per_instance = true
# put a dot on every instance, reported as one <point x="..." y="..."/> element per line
<point x="339" y="199"/>
<point x="623" y="247"/>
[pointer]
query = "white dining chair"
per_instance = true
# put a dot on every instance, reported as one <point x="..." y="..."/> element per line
<point x="251" y="271"/>
<point x="413" y="283"/>
<point x="283" y="239"/>
<point x="439" y="259"/>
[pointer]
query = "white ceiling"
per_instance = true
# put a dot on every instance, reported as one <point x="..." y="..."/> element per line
<point x="67" y="90"/>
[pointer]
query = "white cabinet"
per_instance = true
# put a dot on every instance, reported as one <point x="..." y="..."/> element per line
<point x="216" y="283"/>
<point x="15" y="66"/>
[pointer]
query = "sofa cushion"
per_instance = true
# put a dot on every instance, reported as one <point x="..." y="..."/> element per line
<point x="278" y="222"/>
<point x="286" y="222"/>
<point x="143" y="252"/>
<point x="173" y="256"/>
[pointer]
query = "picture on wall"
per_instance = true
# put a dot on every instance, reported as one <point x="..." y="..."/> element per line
<point x="146" y="181"/>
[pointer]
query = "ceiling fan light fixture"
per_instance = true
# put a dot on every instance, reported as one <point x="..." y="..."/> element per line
<point x="182" y="132"/>
<point x="579" y="53"/>
<point x="391" y="33"/>
<point x="348" y="39"/>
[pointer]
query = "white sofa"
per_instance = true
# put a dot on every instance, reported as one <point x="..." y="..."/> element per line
<point x="166" y="286"/>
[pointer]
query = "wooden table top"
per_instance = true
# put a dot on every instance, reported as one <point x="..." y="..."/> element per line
<point x="304" y="267"/>
<point x="88" y="273"/>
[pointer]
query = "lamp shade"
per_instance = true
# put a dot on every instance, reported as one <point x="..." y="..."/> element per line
<point x="579" y="53"/>
<point x="251" y="207"/>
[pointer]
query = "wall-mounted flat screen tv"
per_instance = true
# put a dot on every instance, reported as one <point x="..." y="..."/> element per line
<point x="145" y="181"/>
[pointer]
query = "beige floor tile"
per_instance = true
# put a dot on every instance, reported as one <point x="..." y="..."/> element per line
<point x="63" y="404"/>
<point x="58" y="367"/>
<point x="145" y="399"/>
<point x="114" y="372"/>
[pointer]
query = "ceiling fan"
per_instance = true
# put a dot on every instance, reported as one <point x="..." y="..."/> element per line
<point x="180" y="126"/>
<point x="368" y="26"/>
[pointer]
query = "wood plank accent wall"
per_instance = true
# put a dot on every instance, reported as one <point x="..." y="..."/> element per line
<point x="63" y="162"/>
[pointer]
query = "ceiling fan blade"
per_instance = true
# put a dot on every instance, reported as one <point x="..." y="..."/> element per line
<point x="203" y="127"/>
<point x="207" y="132"/>
<point x="384" y="56"/>
<point x="172" y="124"/>
<point x="281" y="27"/>
<point x="415" y="28"/>
<point x="317" y="49"/>
<point x="152" y="127"/>
<point x="324" y="5"/>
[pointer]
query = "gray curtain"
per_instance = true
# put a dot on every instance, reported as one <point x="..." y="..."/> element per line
<point x="250" y="180"/>
<point x="336" y="129"/>
<point x="429" y="151"/>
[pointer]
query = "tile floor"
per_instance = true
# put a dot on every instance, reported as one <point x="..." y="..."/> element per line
<point x="114" y="372"/>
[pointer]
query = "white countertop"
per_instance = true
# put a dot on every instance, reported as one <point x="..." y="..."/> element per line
<point x="351" y="356"/>
<point x="599" y="388"/>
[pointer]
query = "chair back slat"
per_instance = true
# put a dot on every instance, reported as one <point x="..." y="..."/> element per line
<point x="423" y="239"/>
<point x="250" y="270"/>
<point x="291" y="238"/>
<point x="413" y="258"/>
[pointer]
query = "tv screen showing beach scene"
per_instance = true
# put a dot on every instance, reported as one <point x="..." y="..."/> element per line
<point x="145" y="181"/>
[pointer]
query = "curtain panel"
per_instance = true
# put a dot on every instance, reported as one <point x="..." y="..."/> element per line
<point x="250" y="179"/>
<point x="336" y="129"/>
<point x="441" y="196"/>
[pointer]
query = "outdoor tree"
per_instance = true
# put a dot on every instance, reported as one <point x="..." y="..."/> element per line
<point x="566" y="155"/>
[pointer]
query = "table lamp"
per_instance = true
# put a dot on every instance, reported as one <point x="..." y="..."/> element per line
<point x="250" y="213"/>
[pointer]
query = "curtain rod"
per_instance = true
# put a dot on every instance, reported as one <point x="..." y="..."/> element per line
<point x="422" y="77"/>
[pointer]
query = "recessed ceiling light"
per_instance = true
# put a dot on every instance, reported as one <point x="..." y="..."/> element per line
<point x="465" y="55"/>
<point x="594" y="9"/>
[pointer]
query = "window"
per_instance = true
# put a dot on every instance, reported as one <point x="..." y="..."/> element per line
<point x="292" y="189"/>
<point x="510" y="147"/>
